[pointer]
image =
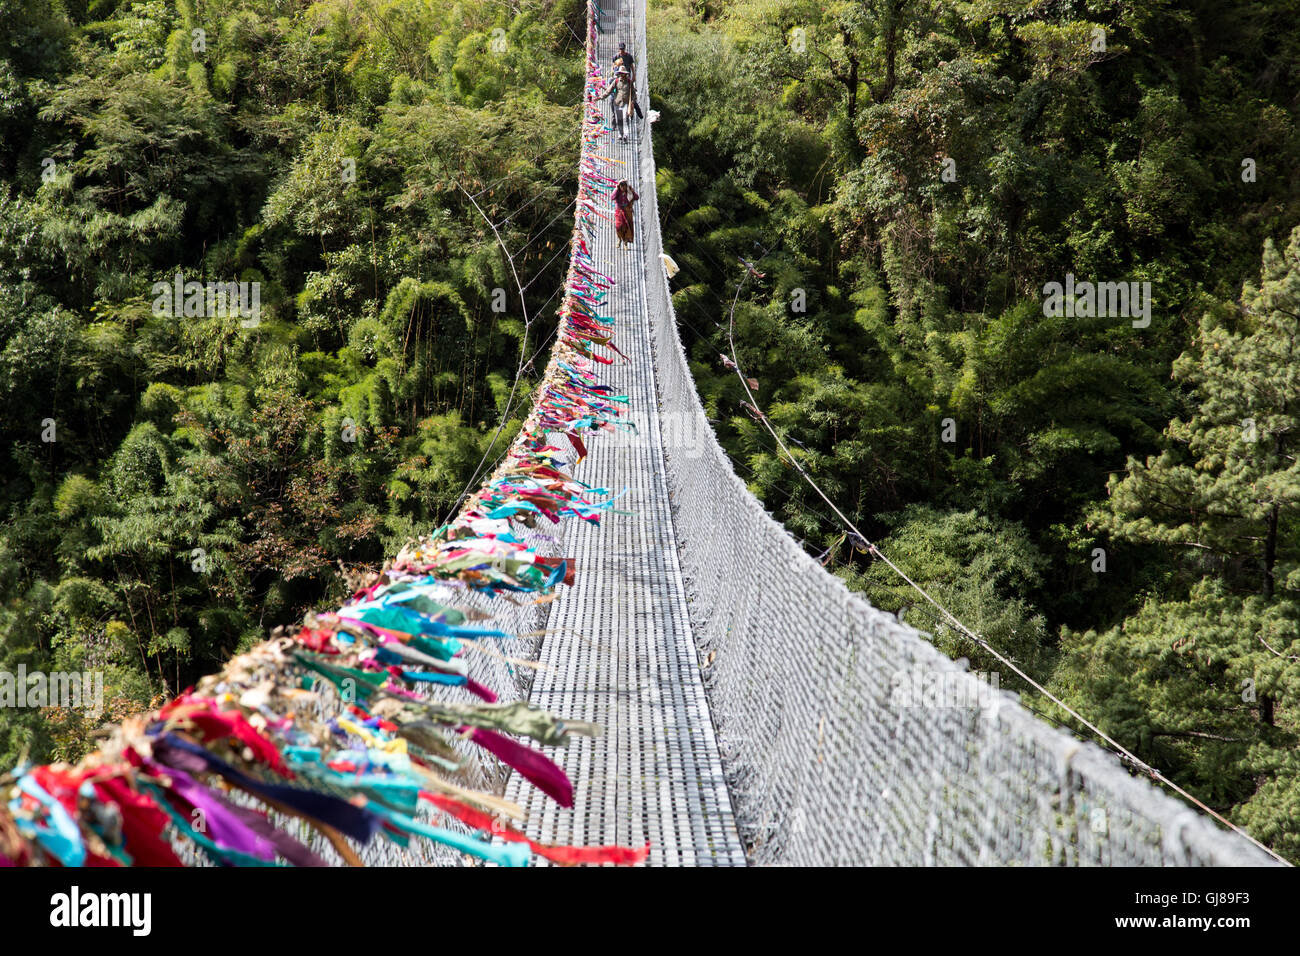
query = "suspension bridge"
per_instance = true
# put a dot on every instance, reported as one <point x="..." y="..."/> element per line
<point x="699" y="690"/>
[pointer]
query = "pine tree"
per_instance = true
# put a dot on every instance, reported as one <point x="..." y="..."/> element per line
<point x="1229" y="483"/>
<point x="1204" y="679"/>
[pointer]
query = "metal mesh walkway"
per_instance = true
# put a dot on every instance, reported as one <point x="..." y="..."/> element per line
<point x="619" y="649"/>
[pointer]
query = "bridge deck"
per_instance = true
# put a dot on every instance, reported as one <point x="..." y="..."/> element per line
<point x="619" y="648"/>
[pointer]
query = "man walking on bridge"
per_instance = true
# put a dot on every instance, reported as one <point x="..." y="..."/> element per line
<point x="623" y="58"/>
<point x="624" y="101"/>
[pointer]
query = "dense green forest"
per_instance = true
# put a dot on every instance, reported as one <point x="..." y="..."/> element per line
<point x="1110" y="500"/>
<point x="175" y="486"/>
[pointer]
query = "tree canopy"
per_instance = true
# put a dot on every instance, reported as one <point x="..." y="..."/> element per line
<point x="181" y="480"/>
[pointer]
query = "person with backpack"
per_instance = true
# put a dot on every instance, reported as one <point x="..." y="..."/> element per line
<point x="623" y="58"/>
<point x="624" y="94"/>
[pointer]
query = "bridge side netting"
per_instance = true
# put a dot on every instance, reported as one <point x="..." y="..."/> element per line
<point x="846" y="736"/>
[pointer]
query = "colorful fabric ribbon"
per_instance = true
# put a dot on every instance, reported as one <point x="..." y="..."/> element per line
<point x="338" y="725"/>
